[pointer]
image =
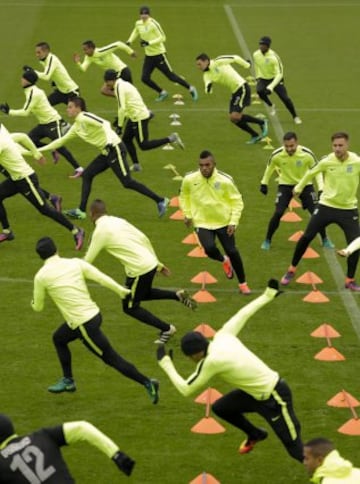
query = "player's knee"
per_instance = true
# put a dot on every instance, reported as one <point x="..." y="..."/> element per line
<point x="145" y="78"/>
<point x="235" y="117"/>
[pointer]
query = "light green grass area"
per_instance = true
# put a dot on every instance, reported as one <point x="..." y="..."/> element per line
<point x="315" y="42"/>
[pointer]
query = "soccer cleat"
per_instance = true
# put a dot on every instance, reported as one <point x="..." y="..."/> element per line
<point x="135" y="167"/>
<point x="79" y="238"/>
<point x="194" y="93"/>
<point x="297" y="120"/>
<point x="165" y="335"/>
<point x="287" y="278"/>
<point x="175" y="138"/>
<point x="327" y="243"/>
<point x="162" y="206"/>
<point x="244" y="289"/>
<point x="63" y="385"/>
<point x="264" y="128"/>
<point x="254" y="140"/>
<point x="351" y="284"/>
<point x="152" y="387"/>
<point x="75" y="213"/>
<point x="248" y="444"/>
<point x="229" y="273"/>
<point x="77" y="173"/>
<point x="266" y="244"/>
<point x="55" y="156"/>
<point x="162" y="96"/>
<point x="55" y="201"/>
<point x="186" y="299"/>
<point x="272" y="110"/>
<point x="6" y="236"/>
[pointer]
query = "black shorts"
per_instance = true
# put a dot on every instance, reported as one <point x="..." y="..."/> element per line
<point x="240" y="99"/>
<point x="284" y="195"/>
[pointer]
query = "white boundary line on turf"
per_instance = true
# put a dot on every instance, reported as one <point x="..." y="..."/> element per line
<point x="335" y="268"/>
<point x="206" y="5"/>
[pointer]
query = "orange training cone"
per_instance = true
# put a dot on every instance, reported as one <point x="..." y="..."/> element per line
<point x="197" y="252"/>
<point x="343" y="399"/>
<point x="204" y="278"/>
<point x="316" y="296"/>
<point x="309" y="278"/>
<point x="209" y="395"/>
<point x="329" y="354"/>
<point x="294" y="203"/>
<point x="204" y="478"/>
<point x="178" y="215"/>
<point x="205" y="330"/>
<point x="208" y="425"/>
<point x="190" y="239"/>
<point x="290" y="217"/>
<point x="174" y="202"/>
<point x="310" y="254"/>
<point x="203" y="296"/>
<point x="325" y="331"/>
<point x="352" y="426"/>
<point x="296" y="236"/>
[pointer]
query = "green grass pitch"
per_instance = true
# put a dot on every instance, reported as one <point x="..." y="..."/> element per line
<point x="315" y="42"/>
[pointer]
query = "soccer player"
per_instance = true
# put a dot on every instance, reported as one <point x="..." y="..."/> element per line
<point x="291" y="162"/>
<point x="152" y="39"/>
<point x="133" y="112"/>
<point x="325" y="465"/>
<point x="257" y="388"/>
<point x="212" y="204"/>
<point x="219" y="70"/>
<point x="105" y="58"/>
<point x="21" y="178"/>
<point x="98" y="132"/>
<point x="64" y="280"/>
<point x="36" y="457"/>
<point x="269" y="73"/>
<point x="135" y="252"/>
<point x="338" y="204"/>
<point x="55" y="72"/>
<point x="51" y="125"/>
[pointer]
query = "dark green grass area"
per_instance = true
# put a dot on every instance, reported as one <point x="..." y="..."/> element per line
<point x="315" y="42"/>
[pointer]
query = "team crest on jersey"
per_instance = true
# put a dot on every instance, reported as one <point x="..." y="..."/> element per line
<point x="298" y="163"/>
<point x="349" y="169"/>
<point x="217" y="185"/>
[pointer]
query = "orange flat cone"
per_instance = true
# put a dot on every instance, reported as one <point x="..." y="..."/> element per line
<point x="310" y="254"/>
<point x="203" y="296"/>
<point x="178" y="215"/>
<point x="207" y="425"/>
<point x="343" y="399"/>
<point x="204" y="278"/>
<point x="329" y="354"/>
<point x="316" y="297"/>
<point x="204" y="478"/>
<point x="325" y="331"/>
<point x="205" y="330"/>
<point x="208" y="396"/>
<point x="190" y="239"/>
<point x="174" y="202"/>
<point x="197" y="252"/>
<point x="290" y="217"/>
<point x="351" y="427"/>
<point x="309" y="278"/>
<point x="294" y="203"/>
<point x="296" y="236"/>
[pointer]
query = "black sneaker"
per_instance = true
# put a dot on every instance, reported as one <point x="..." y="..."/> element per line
<point x="6" y="236"/>
<point x="152" y="387"/>
<point x="165" y="335"/>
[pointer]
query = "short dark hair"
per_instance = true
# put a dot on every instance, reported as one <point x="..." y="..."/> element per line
<point x="203" y="57"/>
<point x="89" y="43"/>
<point x="290" y="135"/>
<point x="340" y="134"/>
<point x="320" y="447"/>
<point x="46" y="247"/>
<point x="98" y="206"/>
<point x="110" y="75"/>
<point x="193" y="342"/>
<point x="145" y="10"/>
<point x="43" y="45"/>
<point x="206" y="154"/>
<point x="79" y="102"/>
